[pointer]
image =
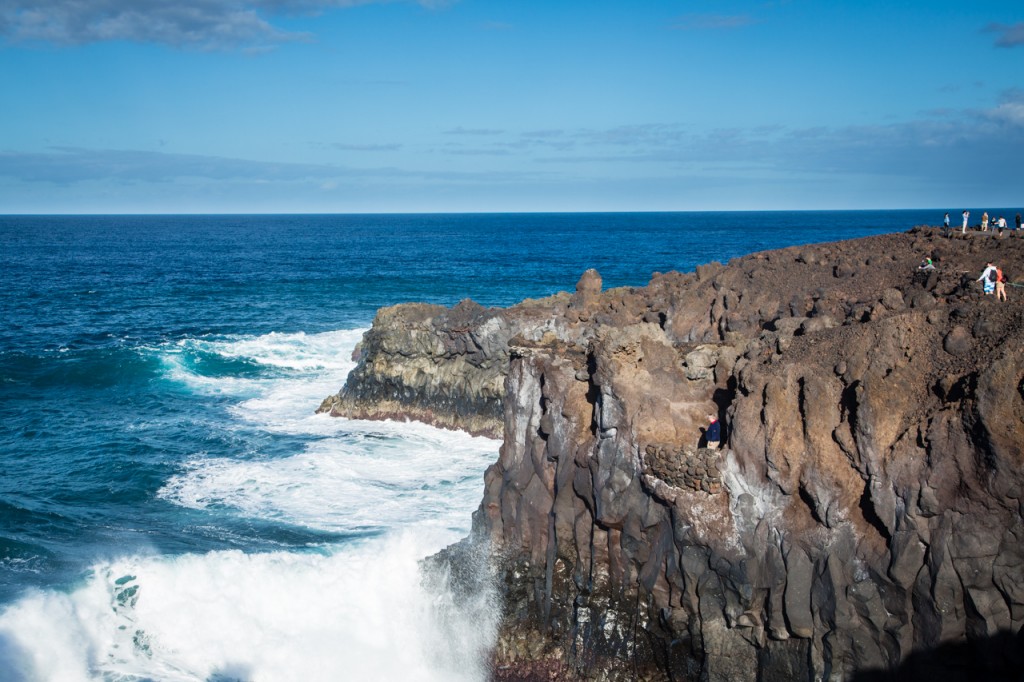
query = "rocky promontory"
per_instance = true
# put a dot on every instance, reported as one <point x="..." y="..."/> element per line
<point x="862" y="518"/>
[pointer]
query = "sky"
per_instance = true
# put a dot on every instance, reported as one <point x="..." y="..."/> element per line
<point x="356" y="106"/>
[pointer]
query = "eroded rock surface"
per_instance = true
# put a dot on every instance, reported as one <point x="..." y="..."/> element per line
<point x="866" y="505"/>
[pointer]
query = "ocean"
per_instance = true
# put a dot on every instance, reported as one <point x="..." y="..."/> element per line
<point x="171" y="507"/>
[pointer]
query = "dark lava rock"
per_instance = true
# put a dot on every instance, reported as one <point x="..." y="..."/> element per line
<point x="863" y="514"/>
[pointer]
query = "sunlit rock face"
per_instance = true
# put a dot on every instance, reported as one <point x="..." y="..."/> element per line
<point x="863" y="513"/>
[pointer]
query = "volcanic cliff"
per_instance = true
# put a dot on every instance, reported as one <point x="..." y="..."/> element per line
<point x="864" y="513"/>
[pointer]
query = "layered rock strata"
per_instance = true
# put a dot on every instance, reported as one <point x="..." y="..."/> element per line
<point x="441" y="366"/>
<point x="865" y="510"/>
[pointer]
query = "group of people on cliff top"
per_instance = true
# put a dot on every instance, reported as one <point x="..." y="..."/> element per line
<point x="992" y="278"/>
<point x="998" y="223"/>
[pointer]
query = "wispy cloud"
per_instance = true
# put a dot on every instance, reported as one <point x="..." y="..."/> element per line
<point x="391" y="147"/>
<point x="1009" y="112"/>
<point x="549" y="133"/>
<point x="192" y="24"/>
<point x="698" y="22"/>
<point x="935" y="138"/>
<point x="72" y="165"/>
<point x="930" y="150"/>
<point x="482" y="132"/>
<point x="642" y="135"/>
<point x="960" y="87"/>
<point x="978" y="148"/>
<point x="1009" y="35"/>
<point x="66" y="165"/>
<point x="1010" y="109"/>
<point x="493" y="151"/>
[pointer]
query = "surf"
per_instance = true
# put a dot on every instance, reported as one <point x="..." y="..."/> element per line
<point x="355" y="612"/>
<point x="332" y="519"/>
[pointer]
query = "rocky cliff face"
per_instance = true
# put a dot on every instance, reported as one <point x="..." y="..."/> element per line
<point x="864" y="512"/>
<point x="441" y="366"/>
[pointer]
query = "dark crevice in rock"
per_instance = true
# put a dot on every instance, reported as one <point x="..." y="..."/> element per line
<point x="867" y="508"/>
<point x="808" y="501"/>
<point x="848" y="405"/>
<point x="549" y="568"/>
<point x="593" y="394"/>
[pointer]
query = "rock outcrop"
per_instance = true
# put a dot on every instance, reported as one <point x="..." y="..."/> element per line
<point x="441" y="366"/>
<point x="864" y="512"/>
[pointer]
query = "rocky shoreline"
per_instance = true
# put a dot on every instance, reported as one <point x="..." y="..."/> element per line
<point x="864" y="513"/>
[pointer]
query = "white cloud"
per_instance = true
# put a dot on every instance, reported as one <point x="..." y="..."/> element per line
<point x="195" y="24"/>
<point x="1009" y="112"/>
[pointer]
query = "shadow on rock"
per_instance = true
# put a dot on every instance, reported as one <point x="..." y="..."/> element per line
<point x="994" y="659"/>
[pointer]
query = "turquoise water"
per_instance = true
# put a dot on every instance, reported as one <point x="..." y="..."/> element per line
<point x="170" y="506"/>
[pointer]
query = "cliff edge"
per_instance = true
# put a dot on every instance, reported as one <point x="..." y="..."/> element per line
<point x="864" y="513"/>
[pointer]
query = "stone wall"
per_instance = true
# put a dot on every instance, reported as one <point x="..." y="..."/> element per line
<point x="684" y="468"/>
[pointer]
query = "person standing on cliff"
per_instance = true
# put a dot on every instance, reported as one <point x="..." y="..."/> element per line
<point x="988" y="278"/>
<point x="1018" y="221"/>
<point x="967" y="215"/>
<point x="984" y="221"/>
<point x="714" y="432"/>
<point x="945" y="223"/>
<point x="1000" y="284"/>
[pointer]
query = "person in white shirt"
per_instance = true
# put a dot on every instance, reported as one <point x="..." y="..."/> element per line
<point x="988" y="278"/>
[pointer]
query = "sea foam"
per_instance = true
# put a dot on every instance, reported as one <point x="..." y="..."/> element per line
<point x="316" y="360"/>
<point x="360" y="613"/>
<point x="359" y="609"/>
<point x="375" y="476"/>
<point x="334" y="474"/>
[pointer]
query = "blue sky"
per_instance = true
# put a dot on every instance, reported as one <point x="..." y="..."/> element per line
<point x="252" y="106"/>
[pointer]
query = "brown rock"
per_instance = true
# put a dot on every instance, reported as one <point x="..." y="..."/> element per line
<point x="867" y="507"/>
<point x="958" y="341"/>
<point x="589" y="283"/>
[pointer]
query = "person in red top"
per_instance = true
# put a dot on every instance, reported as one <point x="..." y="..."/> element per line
<point x="1000" y="284"/>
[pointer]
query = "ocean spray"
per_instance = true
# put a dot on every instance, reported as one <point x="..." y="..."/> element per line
<point x="358" y="607"/>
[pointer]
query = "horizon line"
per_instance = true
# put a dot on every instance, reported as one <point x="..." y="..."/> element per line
<point x="456" y="212"/>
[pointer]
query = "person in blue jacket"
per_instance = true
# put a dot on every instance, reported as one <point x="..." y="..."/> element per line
<point x="714" y="432"/>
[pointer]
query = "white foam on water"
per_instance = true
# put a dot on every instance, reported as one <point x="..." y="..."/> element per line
<point x="360" y="613"/>
<point x="297" y="351"/>
<point x="355" y="611"/>
<point x="303" y="363"/>
<point x="343" y="475"/>
<point x="375" y="476"/>
<point x="177" y="370"/>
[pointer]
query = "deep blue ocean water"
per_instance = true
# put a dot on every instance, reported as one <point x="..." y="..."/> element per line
<point x="170" y="506"/>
